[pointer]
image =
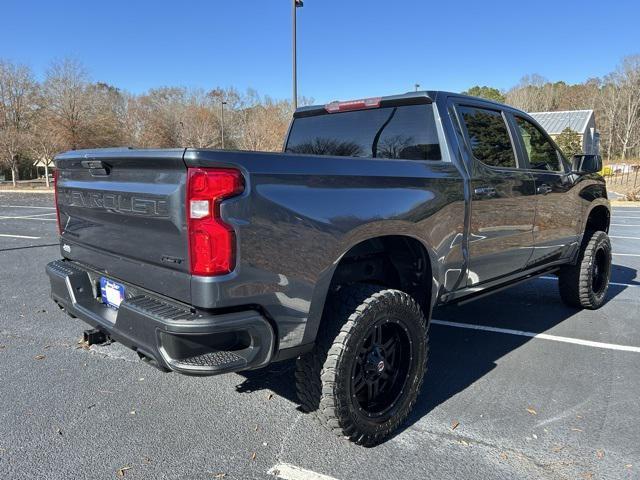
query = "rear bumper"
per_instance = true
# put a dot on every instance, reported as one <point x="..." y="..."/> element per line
<point x="170" y="335"/>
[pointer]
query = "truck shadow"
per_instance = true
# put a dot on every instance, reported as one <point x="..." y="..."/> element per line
<point x="459" y="357"/>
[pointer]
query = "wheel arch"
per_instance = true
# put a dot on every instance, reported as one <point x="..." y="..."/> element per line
<point x="598" y="218"/>
<point x="403" y="262"/>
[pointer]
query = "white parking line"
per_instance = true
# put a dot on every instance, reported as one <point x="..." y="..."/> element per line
<point x="627" y="238"/>
<point x="620" y="216"/>
<point x="19" y="236"/>
<point x="541" y="336"/>
<point x="625" y="255"/>
<point x="623" y="225"/>
<point x="286" y="471"/>
<point x="31" y="217"/>
<point x="610" y="283"/>
<point x="45" y="208"/>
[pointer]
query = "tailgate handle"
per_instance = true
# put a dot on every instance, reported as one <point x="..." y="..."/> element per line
<point x="97" y="168"/>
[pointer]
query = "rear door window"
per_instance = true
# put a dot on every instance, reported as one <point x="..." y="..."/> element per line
<point x="488" y="136"/>
<point x="405" y="132"/>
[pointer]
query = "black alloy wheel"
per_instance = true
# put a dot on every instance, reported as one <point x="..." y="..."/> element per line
<point x="364" y="374"/>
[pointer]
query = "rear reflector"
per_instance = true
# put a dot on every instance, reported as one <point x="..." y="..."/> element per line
<point x="212" y="243"/>
<point x="350" y="105"/>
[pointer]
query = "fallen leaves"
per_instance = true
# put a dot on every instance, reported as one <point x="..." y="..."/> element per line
<point x="532" y="411"/>
<point x="39" y="357"/>
<point x="455" y="424"/>
<point x="220" y="475"/>
<point x="122" y="471"/>
<point x="253" y="456"/>
<point x="270" y="396"/>
<point x="600" y="454"/>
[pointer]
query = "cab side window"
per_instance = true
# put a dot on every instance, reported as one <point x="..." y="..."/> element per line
<point x="541" y="152"/>
<point x="489" y="137"/>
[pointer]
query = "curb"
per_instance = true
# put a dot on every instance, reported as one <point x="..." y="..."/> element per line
<point x="624" y="203"/>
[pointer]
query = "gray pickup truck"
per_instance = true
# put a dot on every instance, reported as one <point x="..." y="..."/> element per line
<point x="333" y="252"/>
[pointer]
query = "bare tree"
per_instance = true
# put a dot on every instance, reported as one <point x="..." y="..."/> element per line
<point x="610" y="105"/>
<point x="66" y="90"/>
<point x="155" y="117"/>
<point x="628" y="131"/>
<point x="18" y="105"/>
<point x="44" y="143"/>
<point x="105" y="121"/>
<point x="262" y="122"/>
<point x="12" y="142"/>
<point x="199" y="122"/>
<point x="530" y="94"/>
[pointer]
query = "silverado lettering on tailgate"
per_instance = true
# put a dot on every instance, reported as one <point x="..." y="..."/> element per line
<point x="124" y="203"/>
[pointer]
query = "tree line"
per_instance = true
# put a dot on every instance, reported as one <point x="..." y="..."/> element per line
<point x="615" y="98"/>
<point x="68" y="110"/>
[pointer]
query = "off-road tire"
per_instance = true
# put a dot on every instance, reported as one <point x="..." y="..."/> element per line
<point x="324" y="380"/>
<point x="585" y="284"/>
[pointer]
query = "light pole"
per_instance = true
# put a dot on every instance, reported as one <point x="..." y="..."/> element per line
<point x="222" y="104"/>
<point x="295" y="4"/>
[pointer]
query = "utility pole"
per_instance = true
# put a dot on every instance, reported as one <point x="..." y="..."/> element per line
<point x="294" y="5"/>
<point x="222" y="104"/>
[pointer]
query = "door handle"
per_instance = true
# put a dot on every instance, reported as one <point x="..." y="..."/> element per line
<point x="485" y="191"/>
<point x="544" y="189"/>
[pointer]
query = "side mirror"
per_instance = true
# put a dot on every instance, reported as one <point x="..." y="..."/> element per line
<point x="586" y="163"/>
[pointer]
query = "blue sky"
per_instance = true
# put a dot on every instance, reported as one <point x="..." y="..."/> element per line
<point x="347" y="48"/>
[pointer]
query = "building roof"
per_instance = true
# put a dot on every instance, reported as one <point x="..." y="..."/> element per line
<point x="555" y="122"/>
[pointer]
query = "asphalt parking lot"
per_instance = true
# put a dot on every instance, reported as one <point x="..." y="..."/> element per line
<point x="500" y="401"/>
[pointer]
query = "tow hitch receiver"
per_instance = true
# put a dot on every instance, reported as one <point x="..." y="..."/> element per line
<point x="94" y="337"/>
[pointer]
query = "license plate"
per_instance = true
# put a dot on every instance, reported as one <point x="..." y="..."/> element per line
<point x="112" y="292"/>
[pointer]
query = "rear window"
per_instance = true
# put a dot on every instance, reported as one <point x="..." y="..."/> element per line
<point x="489" y="137"/>
<point x="406" y="132"/>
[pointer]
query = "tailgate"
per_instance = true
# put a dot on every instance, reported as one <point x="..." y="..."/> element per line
<point x="122" y="212"/>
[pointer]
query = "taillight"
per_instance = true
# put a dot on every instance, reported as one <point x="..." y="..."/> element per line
<point x="55" y="198"/>
<point x="212" y="243"/>
<point x="350" y="105"/>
